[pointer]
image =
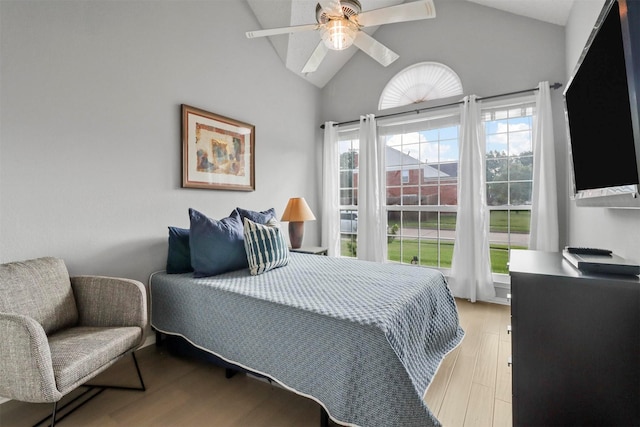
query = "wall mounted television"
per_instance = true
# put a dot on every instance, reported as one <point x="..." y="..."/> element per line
<point x="602" y="101"/>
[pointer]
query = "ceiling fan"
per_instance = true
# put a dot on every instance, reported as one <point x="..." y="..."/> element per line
<point x="340" y="24"/>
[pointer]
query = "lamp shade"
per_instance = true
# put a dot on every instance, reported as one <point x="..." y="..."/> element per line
<point x="297" y="210"/>
<point x="338" y="34"/>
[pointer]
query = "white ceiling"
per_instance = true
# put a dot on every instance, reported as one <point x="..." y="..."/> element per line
<point x="553" y="11"/>
<point x="295" y="49"/>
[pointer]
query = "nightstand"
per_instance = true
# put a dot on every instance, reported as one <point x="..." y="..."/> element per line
<point x="312" y="250"/>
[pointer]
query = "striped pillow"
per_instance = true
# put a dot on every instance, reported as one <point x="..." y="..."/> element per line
<point x="265" y="246"/>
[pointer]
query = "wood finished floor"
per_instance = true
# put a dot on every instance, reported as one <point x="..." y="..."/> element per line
<point x="472" y="388"/>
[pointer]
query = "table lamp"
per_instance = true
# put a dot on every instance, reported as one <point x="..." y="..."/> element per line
<point x="297" y="212"/>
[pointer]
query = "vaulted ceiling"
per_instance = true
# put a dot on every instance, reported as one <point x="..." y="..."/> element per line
<point x="295" y="49"/>
<point x="553" y="11"/>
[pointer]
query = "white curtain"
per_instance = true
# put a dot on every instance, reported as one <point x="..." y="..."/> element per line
<point x="330" y="191"/>
<point x="471" y="265"/>
<point x="372" y="238"/>
<point x="544" y="208"/>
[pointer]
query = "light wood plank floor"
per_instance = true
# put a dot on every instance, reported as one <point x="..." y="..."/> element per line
<point x="472" y="388"/>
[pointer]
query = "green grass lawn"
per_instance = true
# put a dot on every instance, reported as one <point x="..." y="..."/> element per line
<point x="498" y="222"/>
<point x="520" y="221"/>
<point x="427" y="252"/>
<point x="433" y="254"/>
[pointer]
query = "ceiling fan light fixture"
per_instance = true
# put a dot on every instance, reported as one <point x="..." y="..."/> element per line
<point x="338" y="34"/>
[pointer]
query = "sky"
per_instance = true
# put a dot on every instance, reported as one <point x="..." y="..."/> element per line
<point x="512" y="136"/>
<point x="504" y="133"/>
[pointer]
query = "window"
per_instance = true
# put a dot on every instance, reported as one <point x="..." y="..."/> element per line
<point x="509" y="138"/>
<point x="348" y="150"/>
<point x="421" y="163"/>
<point x="421" y="160"/>
<point x="424" y="81"/>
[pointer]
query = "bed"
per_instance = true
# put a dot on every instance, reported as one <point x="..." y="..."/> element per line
<point x="363" y="339"/>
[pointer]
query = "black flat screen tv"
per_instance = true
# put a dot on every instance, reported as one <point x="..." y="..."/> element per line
<point x="601" y="110"/>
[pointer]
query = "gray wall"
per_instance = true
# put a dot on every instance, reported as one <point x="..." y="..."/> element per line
<point x="615" y="229"/>
<point x="492" y="52"/>
<point x="90" y="151"/>
<point x="90" y="94"/>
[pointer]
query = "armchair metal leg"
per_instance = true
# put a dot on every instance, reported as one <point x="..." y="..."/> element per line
<point x="53" y="414"/>
<point x="56" y="411"/>
<point x="90" y="388"/>
<point x="143" y="388"/>
<point x="118" y="387"/>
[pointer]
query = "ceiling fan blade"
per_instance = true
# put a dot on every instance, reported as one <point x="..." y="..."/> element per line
<point x="413" y="11"/>
<point x="375" y="49"/>
<point x="316" y="58"/>
<point x="284" y="30"/>
<point x="332" y="8"/>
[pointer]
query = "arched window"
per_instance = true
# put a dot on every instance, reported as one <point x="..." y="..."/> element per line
<point x="420" y="82"/>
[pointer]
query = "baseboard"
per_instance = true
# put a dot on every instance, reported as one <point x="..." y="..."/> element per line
<point x="151" y="339"/>
<point x="498" y="300"/>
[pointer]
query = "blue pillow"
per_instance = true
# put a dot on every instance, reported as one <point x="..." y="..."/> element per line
<point x="265" y="245"/>
<point x="259" y="217"/>
<point x="216" y="246"/>
<point x="179" y="256"/>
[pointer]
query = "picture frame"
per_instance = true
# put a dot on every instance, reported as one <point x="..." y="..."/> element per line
<point x="217" y="151"/>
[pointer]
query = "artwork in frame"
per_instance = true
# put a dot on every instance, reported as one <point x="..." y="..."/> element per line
<point x="217" y="152"/>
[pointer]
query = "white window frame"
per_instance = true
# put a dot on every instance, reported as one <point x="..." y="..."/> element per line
<point x="405" y="176"/>
<point x="505" y="104"/>
<point x="446" y="115"/>
<point x="351" y="132"/>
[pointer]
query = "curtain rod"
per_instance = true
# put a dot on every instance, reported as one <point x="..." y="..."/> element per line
<point x="419" y="110"/>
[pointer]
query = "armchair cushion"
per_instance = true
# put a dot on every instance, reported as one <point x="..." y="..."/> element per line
<point x="78" y="354"/>
<point x="110" y="301"/>
<point x="39" y="288"/>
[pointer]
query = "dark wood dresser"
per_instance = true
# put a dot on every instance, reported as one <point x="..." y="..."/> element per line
<point x="575" y="344"/>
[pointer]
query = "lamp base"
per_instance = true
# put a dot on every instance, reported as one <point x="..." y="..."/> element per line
<point x="296" y="232"/>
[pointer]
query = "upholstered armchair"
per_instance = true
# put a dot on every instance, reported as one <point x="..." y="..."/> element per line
<point x="58" y="332"/>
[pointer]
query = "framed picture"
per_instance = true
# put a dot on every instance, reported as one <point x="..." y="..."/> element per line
<point x="217" y="152"/>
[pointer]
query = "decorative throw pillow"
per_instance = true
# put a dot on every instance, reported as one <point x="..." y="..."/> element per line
<point x="179" y="255"/>
<point x="216" y="245"/>
<point x="265" y="245"/>
<point x="259" y="217"/>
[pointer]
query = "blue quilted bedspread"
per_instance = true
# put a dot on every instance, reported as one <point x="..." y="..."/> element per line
<point x="363" y="339"/>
